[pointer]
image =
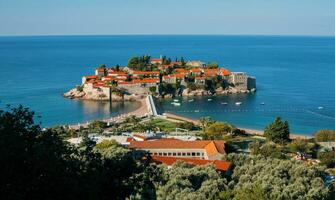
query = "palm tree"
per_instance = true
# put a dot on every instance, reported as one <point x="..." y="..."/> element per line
<point x="204" y="122"/>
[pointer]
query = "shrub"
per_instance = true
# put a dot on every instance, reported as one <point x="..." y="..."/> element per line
<point x="325" y="136"/>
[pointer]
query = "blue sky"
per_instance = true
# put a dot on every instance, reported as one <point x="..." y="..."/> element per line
<point x="247" y="17"/>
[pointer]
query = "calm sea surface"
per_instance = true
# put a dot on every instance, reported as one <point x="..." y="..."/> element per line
<point x="295" y="76"/>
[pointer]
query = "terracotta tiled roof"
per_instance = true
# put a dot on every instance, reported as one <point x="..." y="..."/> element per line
<point x="136" y="81"/>
<point x="181" y="70"/>
<point x="225" y="72"/>
<point x="91" y="77"/>
<point x="177" y="75"/>
<point x="118" y="73"/>
<point x="156" y="59"/>
<point x="145" y="72"/>
<point x="175" y="63"/>
<point x="219" y="165"/>
<point x="212" y="147"/>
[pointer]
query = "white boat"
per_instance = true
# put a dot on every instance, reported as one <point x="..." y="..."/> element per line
<point x="175" y="100"/>
<point x="320" y="107"/>
<point x="238" y="103"/>
<point x="209" y="99"/>
<point x="177" y="104"/>
<point x="196" y="111"/>
<point x="191" y="100"/>
<point x="224" y="103"/>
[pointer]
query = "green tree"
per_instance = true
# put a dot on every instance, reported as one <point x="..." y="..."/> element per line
<point x="327" y="158"/>
<point x="277" y="131"/>
<point x="205" y="121"/>
<point x="184" y="181"/>
<point x="213" y="65"/>
<point x="153" y="89"/>
<point x="325" y="136"/>
<point x="302" y="146"/>
<point x="257" y="177"/>
<point x="217" y="130"/>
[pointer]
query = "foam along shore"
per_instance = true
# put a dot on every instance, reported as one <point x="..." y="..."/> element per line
<point x="141" y="111"/>
<point x="247" y="130"/>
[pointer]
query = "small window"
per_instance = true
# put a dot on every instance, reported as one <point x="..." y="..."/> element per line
<point x="179" y="154"/>
<point x="174" y="154"/>
<point x="193" y="153"/>
<point x="164" y="154"/>
<point x="160" y="154"/>
<point x="198" y="154"/>
<point x="169" y="154"/>
<point x="184" y="154"/>
<point x="188" y="153"/>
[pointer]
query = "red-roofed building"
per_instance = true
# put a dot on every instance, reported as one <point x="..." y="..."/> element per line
<point x="156" y="61"/>
<point x="137" y="74"/>
<point x="195" y="71"/>
<point x="224" y="72"/>
<point x="205" y="149"/>
<point x="219" y="165"/>
<point x="118" y="74"/>
<point x="173" y="78"/>
<point x="100" y="71"/>
<point x="178" y="63"/>
<point x="182" y="71"/>
<point x="211" y="72"/>
<point x="88" y="78"/>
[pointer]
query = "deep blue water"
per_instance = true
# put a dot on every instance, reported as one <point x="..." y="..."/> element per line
<point x="295" y="75"/>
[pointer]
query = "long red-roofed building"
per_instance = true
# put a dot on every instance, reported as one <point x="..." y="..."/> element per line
<point x="204" y="149"/>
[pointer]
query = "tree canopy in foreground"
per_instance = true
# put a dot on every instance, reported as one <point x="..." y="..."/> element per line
<point x="37" y="164"/>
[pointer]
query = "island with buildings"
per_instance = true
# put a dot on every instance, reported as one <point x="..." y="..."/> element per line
<point x="161" y="77"/>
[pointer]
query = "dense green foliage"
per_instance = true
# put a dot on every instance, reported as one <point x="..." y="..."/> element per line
<point x="37" y="164"/>
<point x="327" y="158"/>
<point x="256" y="177"/>
<point x="278" y="131"/>
<point x="267" y="150"/>
<point x="217" y="130"/>
<point x="325" y="136"/>
<point x="184" y="181"/>
<point x="140" y="63"/>
<point x="212" y="65"/>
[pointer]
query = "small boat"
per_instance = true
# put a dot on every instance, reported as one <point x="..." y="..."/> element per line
<point x="175" y="100"/>
<point x="238" y="103"/>
<point x="262" y="103"/>
<point x="209" y="99"/>
<point x="191" y="100"/>
<point x="320" y="107"/>
<point x="224" y="103"/>
<point x="177" y="104"/>
<point x="196" y="111"/>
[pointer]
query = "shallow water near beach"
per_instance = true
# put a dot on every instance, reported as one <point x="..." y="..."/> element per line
<point x="295" y="76"/>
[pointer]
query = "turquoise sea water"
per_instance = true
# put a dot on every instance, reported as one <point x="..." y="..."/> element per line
<point x="295" y="76"/>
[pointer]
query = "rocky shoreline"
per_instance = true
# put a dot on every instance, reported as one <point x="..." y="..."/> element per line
<point x="218" y="91"/>
<point x="77" y="94"/>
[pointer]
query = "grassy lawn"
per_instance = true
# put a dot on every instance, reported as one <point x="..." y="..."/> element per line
<point x="164" y="125"/>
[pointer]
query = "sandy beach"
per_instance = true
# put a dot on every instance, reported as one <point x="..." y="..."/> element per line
<point x="248" y="131"/>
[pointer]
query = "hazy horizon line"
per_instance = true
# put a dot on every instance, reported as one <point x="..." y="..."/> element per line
<point x="162" y="34"/>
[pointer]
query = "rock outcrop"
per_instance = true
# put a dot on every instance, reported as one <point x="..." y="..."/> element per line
<point x="77" y="94"/>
